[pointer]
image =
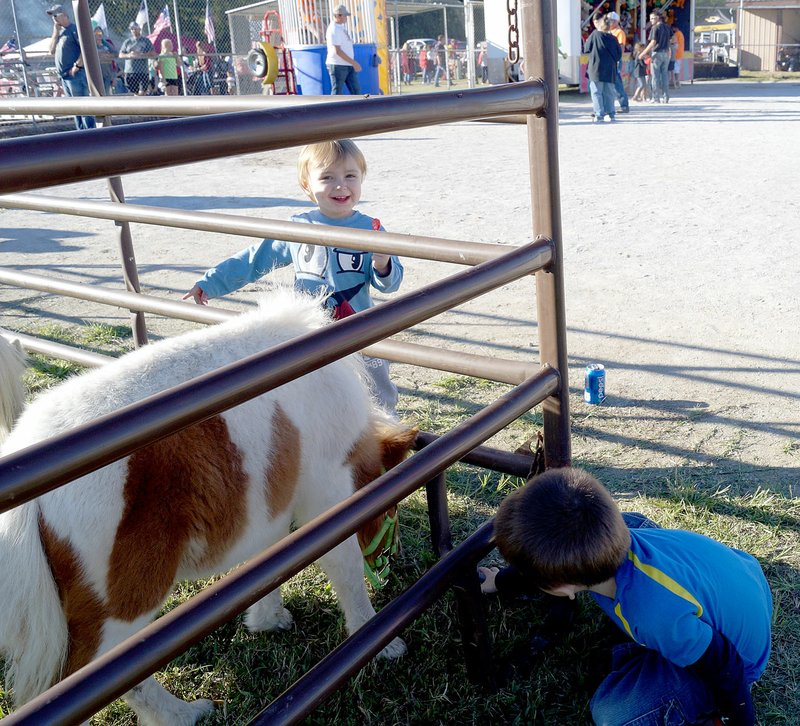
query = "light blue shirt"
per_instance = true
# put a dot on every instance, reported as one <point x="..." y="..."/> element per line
<point x="343" y="274"/>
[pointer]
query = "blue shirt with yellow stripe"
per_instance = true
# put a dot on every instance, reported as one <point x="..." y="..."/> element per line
<point x="676" y="586"/>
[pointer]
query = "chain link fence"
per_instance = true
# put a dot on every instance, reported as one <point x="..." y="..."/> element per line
<point x="212" y="39"/>
<point x="197" y="30"/>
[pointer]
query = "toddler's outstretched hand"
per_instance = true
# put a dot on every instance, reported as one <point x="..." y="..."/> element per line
<point x="198" y="294"/>
<point x="488" y="575"/>
<point x="381" y="264"/>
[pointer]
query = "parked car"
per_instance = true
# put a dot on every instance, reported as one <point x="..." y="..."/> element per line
<point x="416" y="43"/>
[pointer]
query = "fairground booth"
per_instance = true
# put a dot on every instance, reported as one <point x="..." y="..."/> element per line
<point x="291" y="34"/>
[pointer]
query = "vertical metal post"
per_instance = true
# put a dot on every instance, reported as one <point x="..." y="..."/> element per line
<point x="538" y="19"/>
<point x="469" y="23"/>
<point x="21" y="51"/>
<point x="436" y="493"/>
<point x="446" y="50"/>
<point x="180" y="46"/>
<point x="94" y="73"/>
<point x="475" y="637"/>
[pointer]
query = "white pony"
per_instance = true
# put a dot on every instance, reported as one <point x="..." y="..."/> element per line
<point x="88" y="564"/>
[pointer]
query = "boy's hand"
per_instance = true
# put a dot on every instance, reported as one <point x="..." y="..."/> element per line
<point x="487" y="576"/>
<point x="198" y="294"/>
<point x="382" y="264"/>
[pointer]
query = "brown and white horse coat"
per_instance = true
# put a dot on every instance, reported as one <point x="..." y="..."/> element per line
<point x="88" y="564"/>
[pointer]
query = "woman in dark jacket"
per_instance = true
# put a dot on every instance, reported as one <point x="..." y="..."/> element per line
<point x="604" y="53"/>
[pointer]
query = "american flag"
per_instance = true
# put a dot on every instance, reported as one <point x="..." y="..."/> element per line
<point x="162" y="23"/>
<point x="210" y="34"/>
<point x="10" y="46"/>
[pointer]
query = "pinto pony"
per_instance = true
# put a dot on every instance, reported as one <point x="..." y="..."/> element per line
<point x="87" y="565"/>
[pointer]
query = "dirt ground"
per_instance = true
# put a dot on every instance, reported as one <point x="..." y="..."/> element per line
<point x="681" y="263"/>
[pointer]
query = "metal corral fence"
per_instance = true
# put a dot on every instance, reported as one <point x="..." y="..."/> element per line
<point x="38" y="162"/>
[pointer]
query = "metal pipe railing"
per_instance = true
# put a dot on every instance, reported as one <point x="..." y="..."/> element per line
<point x="58" y="350"/>
<point x="40" y="468"/>
<point x="539" y="51"/>
<point x="467" y="364"/>
<point x="176" y="106"/>
<point x="41" y="161"/>
<point x="84" y="692"/>
<point x="419" y="247"/>
<point x="333" y="670"/>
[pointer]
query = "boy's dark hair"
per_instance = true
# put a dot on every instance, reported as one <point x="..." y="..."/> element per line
<point x="562" y="528"/>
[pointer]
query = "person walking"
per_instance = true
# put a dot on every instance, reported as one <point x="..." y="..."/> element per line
<point x="66" y="48"/>
<point x="616" y="30"/>
<point x="440" y="60"/>
<point x="658" y="48"/>
<point x="342" y="65"/>
<point x="604" y="54"/>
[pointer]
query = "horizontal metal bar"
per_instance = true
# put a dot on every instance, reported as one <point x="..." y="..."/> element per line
<point x="84" y="692"/>
<point x="468" y="364"/>
<point x="333" y="670"/>
<point x="155" y="105"/>
<point x="45" y="466"/>
<point x="58" y="350"/>
<point x="423" y="248"/>
<point x="40" y="161"/>
<point x="487" y="457"/>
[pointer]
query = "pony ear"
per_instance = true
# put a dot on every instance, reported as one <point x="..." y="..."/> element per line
<point x="396" y="440"/>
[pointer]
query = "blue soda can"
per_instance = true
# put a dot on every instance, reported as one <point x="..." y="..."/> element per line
<point x="594" y="383"/>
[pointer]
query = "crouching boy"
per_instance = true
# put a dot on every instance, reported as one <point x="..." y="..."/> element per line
<point x="698" y="612"/>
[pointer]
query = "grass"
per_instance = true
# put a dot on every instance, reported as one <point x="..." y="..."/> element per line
<point x="244" y="672"/>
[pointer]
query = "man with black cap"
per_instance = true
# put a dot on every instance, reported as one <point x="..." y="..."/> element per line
<point x="342" y="65"/>
<point x="135" y="51"/>
<point x="66" y="48"/>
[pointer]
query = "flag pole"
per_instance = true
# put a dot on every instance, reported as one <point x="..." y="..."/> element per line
<point x="147" y="12"/>
<point x="180" y="46"/>
<point x="22" y="59"/>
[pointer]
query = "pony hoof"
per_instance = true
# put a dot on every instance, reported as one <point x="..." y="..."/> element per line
<point x="395" y="649"/>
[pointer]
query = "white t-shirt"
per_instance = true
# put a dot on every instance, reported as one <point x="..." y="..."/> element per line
<point x="337" y="35"/>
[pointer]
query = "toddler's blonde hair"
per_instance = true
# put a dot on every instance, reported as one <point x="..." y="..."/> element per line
<point x="325" y="154"/>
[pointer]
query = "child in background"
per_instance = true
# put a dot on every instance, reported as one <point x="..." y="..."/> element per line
<point x="640" y="73"/>
<point x="167" y="67"/>
<point x="698" y="613"/>
<point x="331" y="174"/>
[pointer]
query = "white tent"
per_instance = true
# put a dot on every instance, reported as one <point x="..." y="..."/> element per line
<point x="40" y="47"/>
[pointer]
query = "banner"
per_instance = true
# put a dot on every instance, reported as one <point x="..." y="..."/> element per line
<point x="141" y="17"/>
<point x="100" y="18"/>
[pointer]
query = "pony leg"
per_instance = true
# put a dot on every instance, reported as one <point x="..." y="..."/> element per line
<point x="268" y="614"/>
<point x="344" y="567"/>
<point x="155" y="706"/>
<point x="152" y="703"/>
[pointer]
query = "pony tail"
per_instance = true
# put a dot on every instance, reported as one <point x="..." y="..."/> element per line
<point x="12" y="392"/>
<point x="33" y="628"/>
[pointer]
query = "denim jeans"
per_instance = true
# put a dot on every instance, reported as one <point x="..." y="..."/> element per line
<point x="660" y="70"/>
<point x="380" y="384"/>
<point x="342" y="76"/>
<point x="644" y="688"/>
<point x="619" y="87"/>
<point x="603" y="95"/>
<point x="438" y="74"/>
<point x="77" y="85"/>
